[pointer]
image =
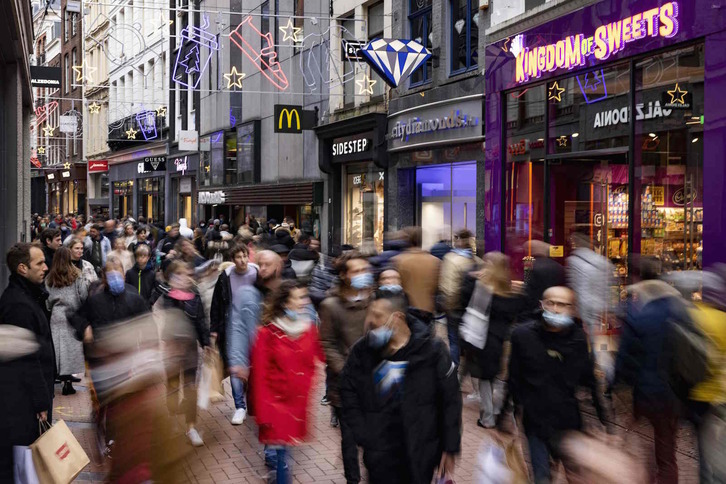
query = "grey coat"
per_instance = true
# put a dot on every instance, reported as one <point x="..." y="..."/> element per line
<point x="63" y="302"/>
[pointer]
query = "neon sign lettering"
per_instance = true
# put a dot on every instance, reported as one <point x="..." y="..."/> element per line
<point x="181" y="164"/>
<point x="190" y="60"/>
<point x="264" y="59"/>
<point x="43" y="112"/>
<point x="607" y="40"/>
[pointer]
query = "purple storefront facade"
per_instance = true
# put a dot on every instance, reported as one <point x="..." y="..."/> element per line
<point x="611" y="121"/>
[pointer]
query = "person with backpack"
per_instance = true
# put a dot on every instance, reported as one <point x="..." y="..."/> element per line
<point x="642" y="362"/>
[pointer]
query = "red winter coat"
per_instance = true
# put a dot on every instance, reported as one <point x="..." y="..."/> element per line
<point x="283" y="370"/>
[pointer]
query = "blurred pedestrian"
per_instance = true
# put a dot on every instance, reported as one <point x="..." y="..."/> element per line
<point x="302" y="258"/>
<point x="86" y="268"/>
<point x="96" y="248"/>
<point x="549" y="360"/>
<point x="323" y="276"/>
<point x="419" y="272"/>
<point x="129" y="235"/>
<point x="456" y="265"/>
<point x="142" y="238"/>
<point x="199" y="241"/>
<point x="109" y="231"/>
<point x="283" y="360"/>
<point x="142" y="275"/>
<point x="546" y="272"/>
<point x="123" y="254"/>
<point x="67" y="291"/>
<point x="342" y="317"/>
<point x="184" y="229"/>
<point x="51" y="240"/>
<point x="390" y="280"/>
<point x="443" y="246"/>
<point x="401" y="399"/>
<point x="168" y="243"/>
<point x="26" y="379"/>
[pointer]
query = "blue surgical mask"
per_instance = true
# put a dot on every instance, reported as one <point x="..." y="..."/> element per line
<point x="557" y="320"/>
<point x="115" y="282"/>
<point x="379" y="337"/>
<point x="362" y="281"/>
<point x="291" y="315"/>
<point x="394" y="288"/>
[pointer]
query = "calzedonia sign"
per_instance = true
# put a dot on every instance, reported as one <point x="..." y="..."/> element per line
<point x="574" y="50"/>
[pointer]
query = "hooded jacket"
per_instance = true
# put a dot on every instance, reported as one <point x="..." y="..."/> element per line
<point x="143" y="280"/>
<point x="406" y="445"/>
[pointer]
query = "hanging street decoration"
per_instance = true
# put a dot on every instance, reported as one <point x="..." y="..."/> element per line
<point x="83" y="72"/>
<point x="290" y="32"/>
<point x="36" y="162"/>
<point x="234" y="78"/>
<point x="48" y="131"/>
<point x="198" y="43"/>
<point x="562" y="141"/>
<point x="94" y="108"/>
<point x="66" y="166"/>
<point x="365" y="85"/>
<point x="131" y="133"/>
<point x="395" y="59"/>
<point x="147" y="125"/>
<point x="161" y="112"/>
<point x="555" y="93"/>
<point x="247" y="37"/>
<point x="42" y="112"/>
<point x="41" y="150"/>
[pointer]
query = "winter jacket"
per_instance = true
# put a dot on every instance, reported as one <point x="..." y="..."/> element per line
<point x="453" y="270"/>
<point x="545" y="370"/>
<point x="49" y="253"/>
<point x="486" y="363"/>
<point x="26" y="381"/>
<point x="63" y="303"/>
<point x="282" y="371"/>
<point x="545" y="273"/>
<point x="341" y="326"/>
<point x="303" y="261"/>
<point x="88" y="251"/>
<point x="419" y="277"/>
<point x="220" y="311"/>
<point x="641" y="359"/>
<point x="440" y="249"/>
<point x="403" y="439"/>
<point x="712" y="322"/>
<point x="193" y="310"/>
<point x="143" y="281"/>
<point x="322" y="280"/>
<point x="590" y="275"/>
<point x="242" y="324"/>
<point x="166" y="245"/>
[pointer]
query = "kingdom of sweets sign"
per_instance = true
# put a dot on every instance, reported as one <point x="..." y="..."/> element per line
<point x="607" y="40"/>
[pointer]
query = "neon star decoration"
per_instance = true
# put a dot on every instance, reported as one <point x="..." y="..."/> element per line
<point x="198" y="43"/>
<point x="131" y="133"/>
<point x="247" y="38"/>
<point x="234" y="78"/>
<point x="94" y="108"/>
<point x="677" y="95"/>
<point x="83" y="72"/>
<point x="395" y="59"/>
<point x="290" y="32"/>
<point x="161" y="112"/>
<point x="66" y="166"/>
<point x="365" y="85"/>
<point x="41" y="150"/>
<point x="562" y="140"/>
<point x="48" y="131"/>
<point x="556" y="91"/>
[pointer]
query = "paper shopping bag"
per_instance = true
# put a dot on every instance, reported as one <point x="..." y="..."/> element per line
<point x="23" y="466"/>
<point x="58" y="456"/>
<point x="216" y="391"/>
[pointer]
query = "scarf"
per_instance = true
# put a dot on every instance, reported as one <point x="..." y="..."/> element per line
<point x="294" y="329"/>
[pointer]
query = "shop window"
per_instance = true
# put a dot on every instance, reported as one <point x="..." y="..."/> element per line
<point x="446" y="200"/>
<point x="230" y="158"/>
<point x="376" y="23"/>
<point x="464" y="35"/>
<point x="590" y="111"/>
<point x="668" y="225"/>
<point x="217" y="159"/>
<point x="420" y="26"/>
<point x="246" y="153"/>
<point x="67" y="70"/>
<point x="182" y="201"/>
<point x="151" y="198"/>
<point x="205" y="161"/>
<point x="122" y="202"/>
<point x="364" y="197"/>
<point x="104" y="185"/>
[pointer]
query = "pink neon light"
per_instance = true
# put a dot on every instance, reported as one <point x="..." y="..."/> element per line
<point x="42" y="112"/>
<point x="265" y="60"/>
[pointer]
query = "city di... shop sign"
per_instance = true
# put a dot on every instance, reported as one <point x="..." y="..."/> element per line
<point x="211" y="198"/>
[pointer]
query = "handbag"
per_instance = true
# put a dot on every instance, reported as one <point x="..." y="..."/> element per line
<point x="23" y="466"/>
<point x="475" y="322"/>
<point x="57" y="455"/>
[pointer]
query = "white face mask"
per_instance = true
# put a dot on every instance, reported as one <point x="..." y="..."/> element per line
<point x="558" y="320"/>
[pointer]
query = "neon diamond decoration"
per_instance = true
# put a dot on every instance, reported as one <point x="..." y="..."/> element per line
<point x="395" y="59"/>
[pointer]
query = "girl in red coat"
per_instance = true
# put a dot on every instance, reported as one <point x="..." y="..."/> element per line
<point x="283" y="366"/>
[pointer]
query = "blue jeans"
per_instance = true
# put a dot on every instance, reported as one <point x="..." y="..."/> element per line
<point x="238" y="392"/>
<point x="276" y="456"/>
<point x="539" y="453"/>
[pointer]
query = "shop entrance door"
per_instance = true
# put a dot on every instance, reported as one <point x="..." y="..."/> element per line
<point x="589" y="203"/>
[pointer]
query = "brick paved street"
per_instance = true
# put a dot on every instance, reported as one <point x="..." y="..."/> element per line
<point x="232" y="453"/>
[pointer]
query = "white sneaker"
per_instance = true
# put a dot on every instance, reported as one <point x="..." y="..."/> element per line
<point x="194" y="437"/>
<point x="239" y="416"/>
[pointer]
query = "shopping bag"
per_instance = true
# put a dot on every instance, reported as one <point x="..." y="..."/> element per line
<point x="204" y="385"/>
<point x="216" y="392"/>
<point x="23" y="466"/>
<point x="500" y="463"/>
<point x="57" y="455"/>
<point x="598" y="461"/>
<point x="475" y="322"/>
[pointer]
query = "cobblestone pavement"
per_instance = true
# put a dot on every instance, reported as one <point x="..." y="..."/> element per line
<point x="232" y="453"/>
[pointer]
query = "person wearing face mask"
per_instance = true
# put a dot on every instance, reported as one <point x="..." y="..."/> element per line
<point x="342" y="317"/>
<point x="549" y="360"/>
<point x="390" y="280"/>
<point x="401" y="397"/>
<point x="419" y="272"/>
<point x="283" y="361"/>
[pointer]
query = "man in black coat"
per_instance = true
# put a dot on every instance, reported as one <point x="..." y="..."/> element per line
<point x="401" y="397"/>
<point x="51" y="240"/>
<point x="549" y="360"/>
<point x="168" y="243"/>
<point x="26" y="381"/>
<point x="546" y="272"/>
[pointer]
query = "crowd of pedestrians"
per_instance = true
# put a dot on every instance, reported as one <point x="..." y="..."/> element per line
<point x="138" y="308"/>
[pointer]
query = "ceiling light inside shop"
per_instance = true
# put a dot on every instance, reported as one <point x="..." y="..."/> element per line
<point x="575" y="135"/>
<point x="652" y="135"/>
<point x="694" y="140"/>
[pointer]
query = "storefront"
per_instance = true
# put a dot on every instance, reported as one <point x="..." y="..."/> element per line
<point x="137" y="183"/>
<point x="438" y="154"/>
<point x="181" y="170"/>
<point x="98" y="187"/>
<point x="353" y="154"/>
<point x="620" y="138"/>
<point x="67" y="189"/>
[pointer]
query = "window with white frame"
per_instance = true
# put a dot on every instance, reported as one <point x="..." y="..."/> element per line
<point x="464" y="35"/>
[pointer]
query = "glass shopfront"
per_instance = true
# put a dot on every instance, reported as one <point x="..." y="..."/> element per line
<point x="582" y="178"/>
<point x="151" y="198"/>
<point x="364" y="192"/>
<point x="123" y="198"/>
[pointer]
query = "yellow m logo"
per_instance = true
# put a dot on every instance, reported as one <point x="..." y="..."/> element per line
<point x="289" y="114"/>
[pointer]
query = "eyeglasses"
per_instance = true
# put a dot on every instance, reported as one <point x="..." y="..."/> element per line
<point x="550" y="304"/>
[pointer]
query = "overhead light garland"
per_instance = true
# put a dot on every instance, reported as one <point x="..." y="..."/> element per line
<point x="131" y="133"/>
<point x="83" y="72"/>
<point x="365" y="85"/>
<point x="234" y="78"/>
<point x="290" y="32"/>
<point x="161" y="112"/>
<point x="556" y="91"/>
<point x="94" y="108"/>
<point x="48" y="131"/>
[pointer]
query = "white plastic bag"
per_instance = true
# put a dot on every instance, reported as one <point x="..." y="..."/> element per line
<point x="23" y="466"/>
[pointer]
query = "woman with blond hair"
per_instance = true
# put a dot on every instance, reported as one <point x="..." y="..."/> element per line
<point x="494" y="299"/>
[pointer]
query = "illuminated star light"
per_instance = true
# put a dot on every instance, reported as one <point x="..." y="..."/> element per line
<point x="66" y="166"/>
<point x="556" y="92"/>
<point x="41" y="150"/>
<point x="165" y="22"/>
<point x="287" y="29"/>
<point x="677" y="95"/>
<point x="94" y="108"/>
<point x="562" y="140"/>
<point x="48" y="131"/>
<point x="80" y="75"/>
<point x="161" y="112"/>
<point x="365" y="85"/>
<point x="131" y="133"/>
<point x="237" y="81"/>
